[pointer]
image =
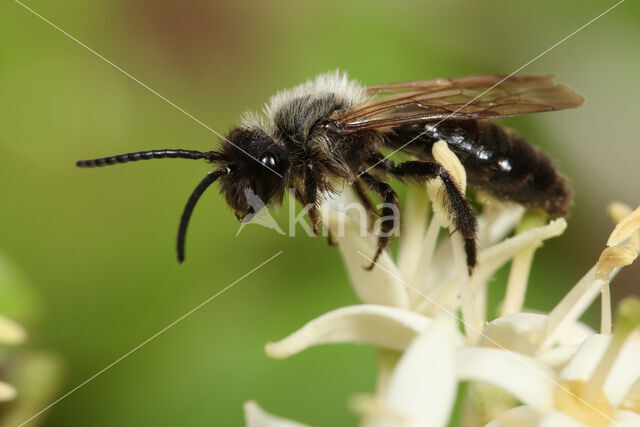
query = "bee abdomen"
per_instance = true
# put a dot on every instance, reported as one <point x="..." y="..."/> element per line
<point x="497" y="160"/>
<point x="520" y="172"/>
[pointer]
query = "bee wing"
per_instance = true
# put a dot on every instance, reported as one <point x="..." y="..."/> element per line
<point x="465" y="98"/>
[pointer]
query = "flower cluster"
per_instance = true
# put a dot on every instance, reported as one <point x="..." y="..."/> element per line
<point x="428" y="321"/>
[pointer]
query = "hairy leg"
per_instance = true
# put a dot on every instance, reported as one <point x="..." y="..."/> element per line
<point x="461" y="212"/>
<point x="390" y="208"/>
<point x="366" y="202"/>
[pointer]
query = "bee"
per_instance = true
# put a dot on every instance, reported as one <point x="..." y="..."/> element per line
<point x="332" y="129"/>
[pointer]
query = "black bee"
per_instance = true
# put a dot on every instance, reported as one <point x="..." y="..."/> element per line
<point x="332" y="129"/>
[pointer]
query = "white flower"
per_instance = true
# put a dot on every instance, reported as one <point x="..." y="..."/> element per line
<point x="255" y="416"/>
<point x="29" y="376"/>
<point x="7" y="392"/>
<point x="598" y="387"/>
<point x="10" y="333"/>
<point x="421" y="390"/>
<point x="411" y="307"/>
<point x="379" y="325"/>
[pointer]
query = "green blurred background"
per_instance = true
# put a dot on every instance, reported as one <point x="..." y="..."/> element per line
<point x="96" y="247"/>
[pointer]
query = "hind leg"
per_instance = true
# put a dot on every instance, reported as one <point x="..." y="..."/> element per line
<point x="461" y="212"/>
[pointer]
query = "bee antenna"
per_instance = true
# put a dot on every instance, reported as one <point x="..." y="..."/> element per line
<point x="191" y="203"/>
<point x="148" y="155"/>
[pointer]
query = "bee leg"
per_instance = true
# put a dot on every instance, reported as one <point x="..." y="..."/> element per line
<point x="390" y="209"/>
<point x="310" y="196"/>
<point x="366" y="202"/>
<point x="464" y="218"/>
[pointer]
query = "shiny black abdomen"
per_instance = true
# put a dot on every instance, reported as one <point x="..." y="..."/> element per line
<point x="497" y="160"/>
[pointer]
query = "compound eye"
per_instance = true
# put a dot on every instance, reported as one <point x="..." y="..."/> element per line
<point x="268" y="179"/>
<point x="269" y="160"/>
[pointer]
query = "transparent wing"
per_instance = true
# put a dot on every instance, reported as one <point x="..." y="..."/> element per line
<point x="465" y="98"/>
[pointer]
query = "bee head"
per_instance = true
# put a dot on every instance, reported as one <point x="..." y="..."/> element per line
<point x="257" y="171"/>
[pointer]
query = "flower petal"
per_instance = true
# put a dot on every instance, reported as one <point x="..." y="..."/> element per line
<point x="374" y="412"/>
<point x="523" y="333"/>
<point x="7" y="392"/>
<point x="627" y="419"/>
<point x="426" y="267"/>
<point x="423" y="385"/>
<point x="441" y="270"/>
<point x="383" y="284"/>
<point x="519" y="332"/>
<point x="632" y="399"/>
<point x="624" y="372"/>
<point x="363" y="324"/>
<point x="557" y="357"/>
<point x="387" y="361"/>
<point x="444" y="296"/>
<point x="557" y="419"/>
<point x="527" y="379"/>
<point x="255" y="416"/>
<point x="11" y="332"/>
<point x="521" y="416"/>
<point x="574" y="334"/>
<point x="498" y="219"/>
<point x="586" y="358"/>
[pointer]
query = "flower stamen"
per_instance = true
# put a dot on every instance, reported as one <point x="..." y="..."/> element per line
<point x="413" y="229"/>
<point x="596" y="280"/>
<point x="627" y="228"/>
<point x="628" y="321"/>
<point x="521" y="266"/>
<point x="610" y="260"/>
